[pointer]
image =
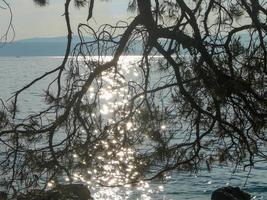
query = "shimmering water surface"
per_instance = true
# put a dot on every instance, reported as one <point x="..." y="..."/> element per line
<point x="16" y="72"/>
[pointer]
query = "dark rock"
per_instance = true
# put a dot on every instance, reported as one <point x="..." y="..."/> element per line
<point x="40" y="195"/>
<point x="78" y="190"/>
<point x="3" y="195"/>
<point x="60" y="192"/>
<point x="230" y="193"/>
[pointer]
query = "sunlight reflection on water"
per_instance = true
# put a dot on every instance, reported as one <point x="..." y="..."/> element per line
<point x="15" y="72"/>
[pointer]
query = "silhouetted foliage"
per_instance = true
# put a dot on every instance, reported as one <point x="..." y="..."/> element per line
<point x="41" y="2"/>
<point x="8" y="33"/>
<point x="199" y="97"/>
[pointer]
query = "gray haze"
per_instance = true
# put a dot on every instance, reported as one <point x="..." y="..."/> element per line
<point x="30" y="21"/>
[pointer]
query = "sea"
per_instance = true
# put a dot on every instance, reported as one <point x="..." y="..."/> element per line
<point x="16" y="72"/>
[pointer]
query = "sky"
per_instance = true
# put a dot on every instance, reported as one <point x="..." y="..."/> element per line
<point x="30" y="20"/>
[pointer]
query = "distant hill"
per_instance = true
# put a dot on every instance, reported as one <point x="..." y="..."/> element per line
<point x="56" y="46"/>
<point x="47" y="47"/>
<point x="60" y="39"/>
<point x="36" y="47"/>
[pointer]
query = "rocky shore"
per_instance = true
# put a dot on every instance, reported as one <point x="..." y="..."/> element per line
<point x="81" y="192"/>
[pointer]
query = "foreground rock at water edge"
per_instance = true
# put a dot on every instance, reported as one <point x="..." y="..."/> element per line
<point x="230" y="193"/>
<point x="60" y="192"/>
<point x="3" y="195"/>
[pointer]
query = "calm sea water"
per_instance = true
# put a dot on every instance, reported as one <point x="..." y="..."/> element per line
<point x="16" y="72"/>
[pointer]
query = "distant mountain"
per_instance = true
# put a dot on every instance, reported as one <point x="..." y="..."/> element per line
<point x="75" y="39"/>
<point x="48" y="47"/>
<point x="37" y="47"/>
